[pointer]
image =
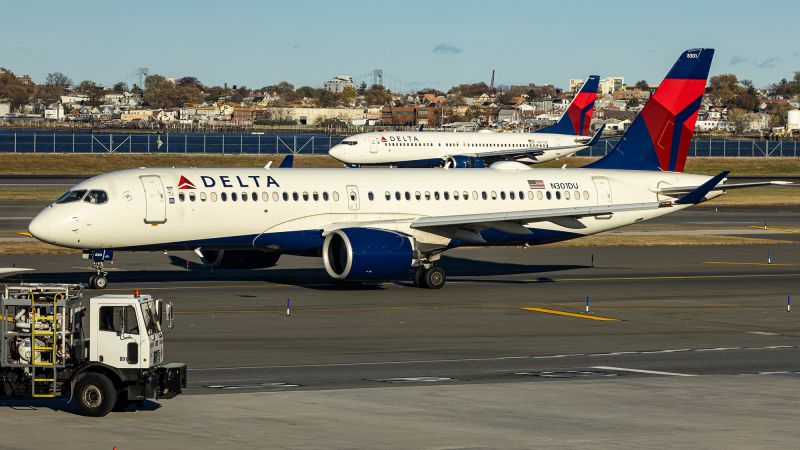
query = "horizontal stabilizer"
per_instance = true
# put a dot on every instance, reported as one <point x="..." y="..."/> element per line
<point x="723" y="187"/>
<point x="697" y="195"/>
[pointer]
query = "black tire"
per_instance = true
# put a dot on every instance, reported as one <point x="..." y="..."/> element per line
<point x="100" y="282"/>
<point x="91" y="281"/>
<point x="95" y="395"/>
<point x="418" y="277"/>
<point x="435" y="278"/>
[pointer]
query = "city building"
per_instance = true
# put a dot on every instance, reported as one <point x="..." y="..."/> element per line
<point x="54" y="112"/>
<point x="610" y="84"/>
<point x="411" y="116"/>
<point x="338" y="83"/>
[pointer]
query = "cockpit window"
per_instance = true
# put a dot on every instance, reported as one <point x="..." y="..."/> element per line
<point x="96" y="197"/>
<point x="349" y="142"/>
<point x="71" y="196"/>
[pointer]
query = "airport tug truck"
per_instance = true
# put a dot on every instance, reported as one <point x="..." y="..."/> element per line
<point x="104" y="352"/>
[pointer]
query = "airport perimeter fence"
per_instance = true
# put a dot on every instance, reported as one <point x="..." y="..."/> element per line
<point x="304" y="143"/>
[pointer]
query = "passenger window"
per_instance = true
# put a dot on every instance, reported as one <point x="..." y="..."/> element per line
<point x="530" y="195"/>
<point x="181" y="196"/>
<point x="466" y="195"/>
<point x="586" y="195"/>
<point x="203" y="196"/>
<point x="325" y="196"/>
<point x="286" y="196"/>
<point x="436" y="195"/>
<point x="511" y="195"/>
<point x="484" y="195"/>
<point x="244" y="196"/>
<point x="417" y="195"/>
<point x="315" y="196"/>
<point x="427" y="195"/>
<point x="408" y="195"/>
<point x="265" y="196"/>
<point x="110" y="319"/>
<point x="191" y="196"/>
<point x="388" y="195"/>
<point x="566" y="195"/>
<point x="502" y="195"/>
<point x="539" y="195"/>
<point x="397" y="195"/>
<point x="548" y="195"/>
<point x="336" y="196"/>
<point x="474" y="195"/>
<point x="223" y="196"/>
<point x="370" y="196"/>
<point x="275" y="197"/>
<point x="577" y="195"/>
<point x="494" y="195"/>
<point x="254" y="196"/>
<point x="295" y="197"/>
<point x="455" y="195"/>
<point x="522" y="195"/>
<point x="213" y="196"/>
<point x="234" y="197"/>
<point x="558" y="195"/>
<point x="305" y="196"/>
<point x="446" y="195"/>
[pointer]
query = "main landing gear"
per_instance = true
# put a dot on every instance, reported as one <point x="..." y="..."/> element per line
<point x="432" y="277"/>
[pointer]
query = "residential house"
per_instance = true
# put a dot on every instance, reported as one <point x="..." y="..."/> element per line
<point x="54" y="111"/>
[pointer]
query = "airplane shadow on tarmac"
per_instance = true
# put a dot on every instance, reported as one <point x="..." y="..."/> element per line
<point x="460" y="269"/>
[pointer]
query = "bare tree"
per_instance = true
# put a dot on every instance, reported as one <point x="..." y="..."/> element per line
<point x="58" y="79"/>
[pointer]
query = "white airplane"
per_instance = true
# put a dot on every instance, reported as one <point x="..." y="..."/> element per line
<point x="387" y="224"/>
<point x="476" y="149"/>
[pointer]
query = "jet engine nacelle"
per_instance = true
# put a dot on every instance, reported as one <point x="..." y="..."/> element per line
<point x="240" y="259"/>
<point x="464" y="162"/>
<point x="365" y="254"/>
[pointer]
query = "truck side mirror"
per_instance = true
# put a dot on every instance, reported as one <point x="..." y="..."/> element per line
<point x="170" y="312"/>
<point x="122" y="321"/>
<point x="160" y="310"/>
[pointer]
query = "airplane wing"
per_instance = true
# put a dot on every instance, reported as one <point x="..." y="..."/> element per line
<point x="11" y="271"/>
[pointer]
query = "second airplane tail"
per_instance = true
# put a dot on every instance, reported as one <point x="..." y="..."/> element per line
<point x="578" y="116"/>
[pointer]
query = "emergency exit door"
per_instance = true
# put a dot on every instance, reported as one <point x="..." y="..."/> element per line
<point x="155" y="199"/>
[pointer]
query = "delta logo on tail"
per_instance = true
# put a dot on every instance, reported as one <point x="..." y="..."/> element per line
<point x="659" y="137"/>
<point x="184" y="183"/>
<point x="577" y="119"/>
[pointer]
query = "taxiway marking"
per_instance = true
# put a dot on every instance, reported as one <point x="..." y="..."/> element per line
<point x="651" y="372"/>
<point x="569" y="314"/>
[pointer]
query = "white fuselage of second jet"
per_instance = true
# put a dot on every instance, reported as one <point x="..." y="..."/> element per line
<point x="434" y="148"/>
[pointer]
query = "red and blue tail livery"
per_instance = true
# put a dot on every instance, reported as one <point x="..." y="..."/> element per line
<point x="578" y="116"/>
<point x="659" y="137"/>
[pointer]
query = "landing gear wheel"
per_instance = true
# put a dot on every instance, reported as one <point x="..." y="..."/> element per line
<point x="434" y="277"/>
<point x="91" y="281"/>
<point x="95" y="396"/>
<point x="418" y="277"/>
<point x="100" y="282"/>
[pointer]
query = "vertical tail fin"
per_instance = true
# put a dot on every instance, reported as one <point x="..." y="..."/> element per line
<point x="659" y="137"/>
<point x="578" y="116"/>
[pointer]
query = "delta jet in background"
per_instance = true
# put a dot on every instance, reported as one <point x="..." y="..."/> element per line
<point x="392" y="224"/>
<point x="476" y="149"/>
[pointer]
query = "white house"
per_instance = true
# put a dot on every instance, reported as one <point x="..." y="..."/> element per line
<point x="5" y="109"/>
<point x="610" y="84"/>
<point x="54" y="111"/>
<point x="338" y="83"/>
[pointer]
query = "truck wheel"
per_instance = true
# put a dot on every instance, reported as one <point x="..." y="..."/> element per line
<point x="95" y="395"/>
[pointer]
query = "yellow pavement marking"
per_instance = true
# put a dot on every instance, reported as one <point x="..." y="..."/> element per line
<point x="564" y="313"/>
<point x="734" y="263"/>
<point x="785" y="230"/>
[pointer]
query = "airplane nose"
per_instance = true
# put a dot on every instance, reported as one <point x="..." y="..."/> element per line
<point x="40" y="225"/>
<point x="337" y="152"/>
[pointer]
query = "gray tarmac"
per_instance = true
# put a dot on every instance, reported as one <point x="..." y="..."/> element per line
<point x="702" y="354"/>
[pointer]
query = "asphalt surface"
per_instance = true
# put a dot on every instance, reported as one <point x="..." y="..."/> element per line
<point x="702" y="354"/>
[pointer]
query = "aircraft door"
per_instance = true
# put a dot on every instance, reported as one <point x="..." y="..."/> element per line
<point x="352" y="198"/>
<point x="603" y="187"/>
<point x="373" y="144"/>
<point x="155" y="199"/>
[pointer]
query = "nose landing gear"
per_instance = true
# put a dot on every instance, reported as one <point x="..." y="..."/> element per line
<point x="100" y="279"/>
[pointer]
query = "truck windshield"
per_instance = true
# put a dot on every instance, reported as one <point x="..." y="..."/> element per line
<point x="150" y="318"/>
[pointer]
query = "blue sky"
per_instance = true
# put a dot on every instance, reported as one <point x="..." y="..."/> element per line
<point x="417" y="43"/>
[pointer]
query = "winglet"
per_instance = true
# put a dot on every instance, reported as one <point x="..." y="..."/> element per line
<point x="697" y="195"/>
<point x="596" y="136"/>
<point x="287" y="162"/>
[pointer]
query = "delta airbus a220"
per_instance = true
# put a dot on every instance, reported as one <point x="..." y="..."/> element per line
<point x="390" y="224"/>
<point x="476" y="149"/>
